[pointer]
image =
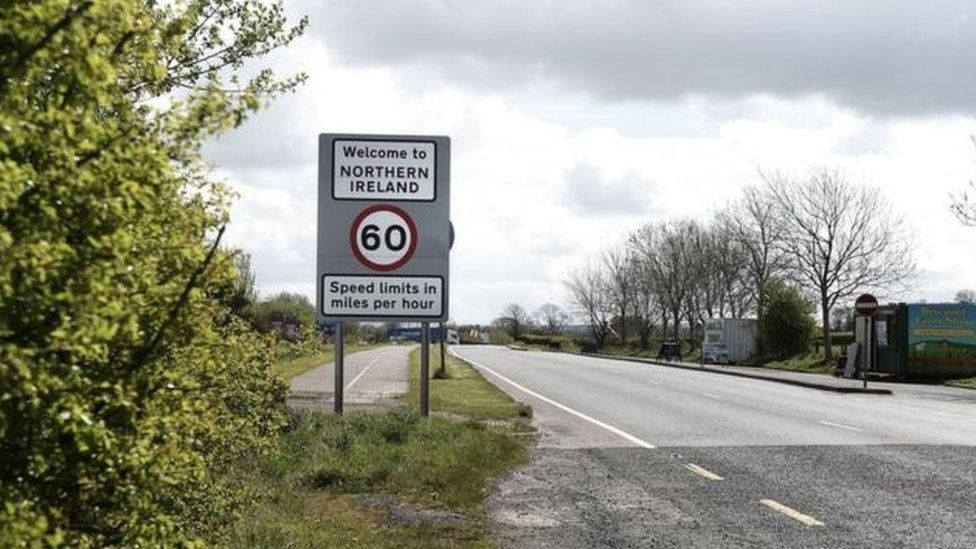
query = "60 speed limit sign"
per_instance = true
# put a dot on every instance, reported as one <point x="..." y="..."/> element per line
<point x="384" y="227"/>
<point x="383" y="237"/>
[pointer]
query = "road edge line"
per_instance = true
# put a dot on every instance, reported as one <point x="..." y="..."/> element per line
<point x="839" y="425"/>
<point x="619" y="432"/>
<point x="698" y="368"/>
<point x="363" y="372"/>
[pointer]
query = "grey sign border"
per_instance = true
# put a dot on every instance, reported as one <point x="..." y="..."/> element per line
<point x="321" y="296"/>
<point x="378" y="140"/>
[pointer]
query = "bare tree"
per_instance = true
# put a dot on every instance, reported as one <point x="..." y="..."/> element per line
<point x="753" y="224"/>
<point x="665" y="258"/>
<point x="964" y="204"/>
<point x="840" y="238"/>
<point x="618" y="264"/>
<point x="552" y="318"/>
<point x="966" y="296"/>
<point x="589" y="295"/>
<point x="514" y="320"/>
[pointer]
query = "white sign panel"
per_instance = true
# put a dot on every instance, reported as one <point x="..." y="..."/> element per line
<point x="384" y="231"/>
<point x="384" y="170"/>
<point x="372" y="296"/>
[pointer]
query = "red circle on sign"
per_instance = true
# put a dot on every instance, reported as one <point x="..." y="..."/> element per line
<point x="407" y="221"/>
<point x="866" y="305"/>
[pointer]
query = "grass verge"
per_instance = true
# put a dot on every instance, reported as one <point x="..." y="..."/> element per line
<point x="966" y="383"/>
<point x="463" y="391"/>
<point x="387" y="479"/>
<point x="384" y="479"/>
<point x="812" y="363"/>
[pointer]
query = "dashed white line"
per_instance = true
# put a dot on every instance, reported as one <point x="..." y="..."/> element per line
<point x="839" y="425"/>
<point x="619" y="432"/>
<point x="702" y="471"/>
<point x="790" y="512"/>
<point x="362" y="373"/>
<point x="710" y="395"/>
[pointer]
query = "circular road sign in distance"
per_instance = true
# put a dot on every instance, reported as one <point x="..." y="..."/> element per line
<point x="383" y="237"/>
<point x="866" y="305"/>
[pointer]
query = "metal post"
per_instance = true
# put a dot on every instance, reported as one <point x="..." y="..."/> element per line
<point x="425" y="369"/>
<point x="871" y="348"/>
<point x="340" y="334"/>
<point x="443" y="340"/>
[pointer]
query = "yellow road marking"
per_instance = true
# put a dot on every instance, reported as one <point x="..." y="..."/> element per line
<point x="792" y="513"/>
<point x="702" y="471"/>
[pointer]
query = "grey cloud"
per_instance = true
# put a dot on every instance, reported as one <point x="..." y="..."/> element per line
<point x="587" y="192"/>
<point x="880" y="57"/>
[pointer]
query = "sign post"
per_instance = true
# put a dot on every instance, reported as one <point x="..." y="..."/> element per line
<point x="340" y="336"/>
<point x="384" y="234"/>
<point x="425" y="369"/>
<point x="866" y="306"/>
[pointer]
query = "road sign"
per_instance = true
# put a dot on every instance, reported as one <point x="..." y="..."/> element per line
<point x="384" y="230"/>
<point x="866" y="305"/>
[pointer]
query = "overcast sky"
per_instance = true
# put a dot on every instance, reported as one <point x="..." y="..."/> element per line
<point x="574" y="122"/>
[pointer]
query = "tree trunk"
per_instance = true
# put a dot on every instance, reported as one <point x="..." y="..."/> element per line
<point x="623" y="326"/>
<point x="828" y="350"/>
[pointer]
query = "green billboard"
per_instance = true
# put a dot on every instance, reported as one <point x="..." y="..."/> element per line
<point x="942" y="336"/>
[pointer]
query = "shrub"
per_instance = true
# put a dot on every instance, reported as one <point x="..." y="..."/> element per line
<point x="127" y="385"/>
<point x="787" y="323"/>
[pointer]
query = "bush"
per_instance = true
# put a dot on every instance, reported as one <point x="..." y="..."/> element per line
<point x="787" y="324"/>
<point x="555" y="342"/>
<point x="127" y="384"/>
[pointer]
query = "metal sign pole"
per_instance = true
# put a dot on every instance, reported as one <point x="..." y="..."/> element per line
<point x="443" y="367"/>
<point x="424" y="369"/>
<point x="340" y="334"/>
<point x="869" y="363"/>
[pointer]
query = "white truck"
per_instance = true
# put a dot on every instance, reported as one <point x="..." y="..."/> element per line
<point x="729" y="340"/>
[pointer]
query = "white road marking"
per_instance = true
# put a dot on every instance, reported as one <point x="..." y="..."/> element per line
<point x="709" y="395"/>
<point x="619" y="432"/>
<point x="702" y="471"/>
<point x="792" y="513"/>
<point x="362" y="373"/>
<point x="839" y="425"/>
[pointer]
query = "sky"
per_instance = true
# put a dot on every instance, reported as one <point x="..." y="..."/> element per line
<point x="575" y="122"/>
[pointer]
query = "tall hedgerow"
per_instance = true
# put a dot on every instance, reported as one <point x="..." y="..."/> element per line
<point x="126" y="384"/>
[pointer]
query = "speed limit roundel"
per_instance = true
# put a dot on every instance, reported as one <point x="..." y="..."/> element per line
<point x="383" y="237"/>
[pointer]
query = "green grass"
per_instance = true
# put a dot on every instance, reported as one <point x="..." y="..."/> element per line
<point x="967" y="383"/>
<point x="310" y="484"/>
<point x="812" y="362"/>
<point x="325" y="462"/>
<point x="464" y="391"/>
<point x="291" y="367"/>
<point x="809" y="363"/>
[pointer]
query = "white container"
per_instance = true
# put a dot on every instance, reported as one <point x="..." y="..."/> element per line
<point x="729" y="340"/>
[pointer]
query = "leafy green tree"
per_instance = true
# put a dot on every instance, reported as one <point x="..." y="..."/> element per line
<point x="787" y="323"/>
<point x="284" y="308"/>
<point x="127" y="385"/>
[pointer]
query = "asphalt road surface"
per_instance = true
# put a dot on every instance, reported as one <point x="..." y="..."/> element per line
<point x="638" y="455"/>
<point x="372" y="378"/>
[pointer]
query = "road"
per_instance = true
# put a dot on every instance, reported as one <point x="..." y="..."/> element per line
<point x="372" y="379"/>
<point x="638" y="455"/>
